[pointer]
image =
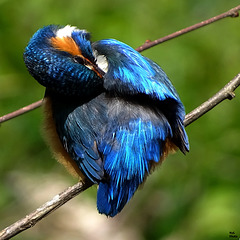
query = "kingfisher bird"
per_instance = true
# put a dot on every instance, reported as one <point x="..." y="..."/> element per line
<point x="111" y="114"/>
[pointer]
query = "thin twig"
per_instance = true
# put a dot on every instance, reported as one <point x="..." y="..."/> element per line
<point x="20" y="111"/>
<point x="230" y="13"/>
<point x="227" y="92"/>
<point x="148" y="44"/>
<point x="31" y="219"/>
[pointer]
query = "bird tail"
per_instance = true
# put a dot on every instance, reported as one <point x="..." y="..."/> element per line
<point x="111" y="198"/>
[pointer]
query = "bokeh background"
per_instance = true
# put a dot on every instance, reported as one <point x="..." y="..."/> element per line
<point x="196" y="196"/>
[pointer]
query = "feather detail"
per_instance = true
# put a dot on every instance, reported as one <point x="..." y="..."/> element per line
<point x="136" y="147"/>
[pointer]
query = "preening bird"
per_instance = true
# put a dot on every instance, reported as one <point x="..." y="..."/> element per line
<point x="111" y="114"/>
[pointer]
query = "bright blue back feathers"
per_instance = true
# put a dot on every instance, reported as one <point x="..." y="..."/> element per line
<point x="131" y="73"/>
<point x="115" y="126"/>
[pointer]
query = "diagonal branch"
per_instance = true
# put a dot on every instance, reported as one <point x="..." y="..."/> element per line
<point x="148" y="44"/>
<point x="31" y="219"/>
<point x="230" y="13"/>
<point x="227" y="92"/>
<point x="21" y="111"/>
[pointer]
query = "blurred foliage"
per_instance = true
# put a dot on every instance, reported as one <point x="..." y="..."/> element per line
<point x="190" y="197"/>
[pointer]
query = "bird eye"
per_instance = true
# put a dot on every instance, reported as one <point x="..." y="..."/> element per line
<point x="85" y="62"/>
<point x="78" y="59"/>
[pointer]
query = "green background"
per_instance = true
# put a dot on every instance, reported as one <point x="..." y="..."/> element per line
<point x="195" y="196"/>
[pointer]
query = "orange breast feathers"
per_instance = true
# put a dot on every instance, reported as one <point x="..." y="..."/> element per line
<point x="54" y="142"/>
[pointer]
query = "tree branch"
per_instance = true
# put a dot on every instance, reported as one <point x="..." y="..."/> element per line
<point x="230" y="13"/>
<point x="227" y="92"/>
<point x="20" y="111"/>
<point x="31" y="219"/>
<point x="148" y="44"/>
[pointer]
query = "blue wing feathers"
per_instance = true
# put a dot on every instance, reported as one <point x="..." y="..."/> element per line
<point x="78" y="129"/>
<point x="128" y="156"/>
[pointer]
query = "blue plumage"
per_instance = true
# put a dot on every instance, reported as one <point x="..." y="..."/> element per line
<point x="137" y="144"/>
<point x="131" y="73"/>
<point x="115" y="112"/>
<point x="82" y="39"/>
<point x="51" y="67"/>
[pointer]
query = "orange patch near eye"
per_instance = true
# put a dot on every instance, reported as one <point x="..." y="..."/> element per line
<point x="66" y="44"/>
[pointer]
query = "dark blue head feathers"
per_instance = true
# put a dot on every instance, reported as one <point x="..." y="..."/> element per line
<point x="113" y="112"/>
<point x="56" y="68"/>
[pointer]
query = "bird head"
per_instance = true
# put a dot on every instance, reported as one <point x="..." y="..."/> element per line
<point x="62" y="60"/>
